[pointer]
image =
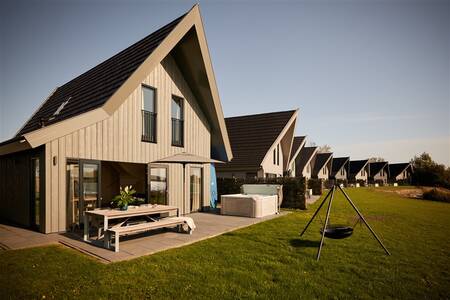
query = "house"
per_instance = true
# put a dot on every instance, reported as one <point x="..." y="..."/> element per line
<point x="340" y="168"/>
<point x="297" y="145"/>
<point x="322" y="165"/>
<point x="378" y="172"/>
<point x="305" y="161"/>
<point x="261" y="145"/>
<point x="103" y="130"/>
<point x="359" y="171"/>
<point x="400" y="172"/>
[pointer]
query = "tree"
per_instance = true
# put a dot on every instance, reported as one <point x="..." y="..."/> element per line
<point x="428" y="172"/>
<point x="323" y="149"/>
<point x="376" y="159"/>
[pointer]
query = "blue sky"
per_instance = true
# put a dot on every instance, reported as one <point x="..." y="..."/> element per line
<point x="371" y="78"/>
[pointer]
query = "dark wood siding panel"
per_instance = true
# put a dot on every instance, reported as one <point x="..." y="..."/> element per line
<point x="15" y="186"/>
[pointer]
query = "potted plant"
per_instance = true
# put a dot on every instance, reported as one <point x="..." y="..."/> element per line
<point x="124" y="198"/>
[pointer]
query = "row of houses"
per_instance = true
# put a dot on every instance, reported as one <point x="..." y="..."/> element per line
<point x="264" y="145"/>
<point x="113" y="125"/>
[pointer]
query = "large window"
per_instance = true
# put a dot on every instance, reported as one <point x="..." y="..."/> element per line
<point x="177" y="122"/>
<point x="148" y="114"/>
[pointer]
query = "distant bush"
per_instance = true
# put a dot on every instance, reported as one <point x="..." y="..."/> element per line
<point x="437" y="195"/>
<point x="316" y="185"/>
<point x="294" y="188"/>
<point x="342" y="181"/>
<point x="361" y="182"/>
<point x="380" y="182"/>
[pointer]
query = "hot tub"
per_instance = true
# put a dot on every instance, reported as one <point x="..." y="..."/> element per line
<point x="248" y="205"/>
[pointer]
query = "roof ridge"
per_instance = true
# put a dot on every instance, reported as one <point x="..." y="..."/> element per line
<point x="260" y="114"/>
<point x="124" y="50"/>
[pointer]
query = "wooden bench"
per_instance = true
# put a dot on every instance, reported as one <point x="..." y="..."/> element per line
<point x="138" y="228"/>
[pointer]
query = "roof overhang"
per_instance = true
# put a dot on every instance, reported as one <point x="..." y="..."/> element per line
<point x="286" y="128"/>
<point x="316" y="149"/>
<point x="14" y="145"/>
<point x="325" y="163"/>
<point x="346" y="162"/>
<point x="297" y="151"/>
<point x="188" y="37"/>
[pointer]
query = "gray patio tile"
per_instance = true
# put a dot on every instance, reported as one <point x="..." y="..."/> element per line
<point x="208" y="225"/>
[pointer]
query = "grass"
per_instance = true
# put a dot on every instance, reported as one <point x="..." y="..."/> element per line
<point x="267" y="260"/>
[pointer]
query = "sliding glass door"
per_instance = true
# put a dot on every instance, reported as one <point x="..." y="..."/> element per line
<point x="83" y="192"/>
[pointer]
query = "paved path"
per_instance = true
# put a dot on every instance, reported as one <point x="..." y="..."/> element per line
<point x="208" y="225"/>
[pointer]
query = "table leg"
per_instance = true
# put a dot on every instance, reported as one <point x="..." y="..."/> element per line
<point x="105" y="228"/>
<point x="86" y="228"/>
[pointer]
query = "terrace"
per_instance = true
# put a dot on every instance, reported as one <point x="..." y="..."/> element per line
<point x="208" y="225"/>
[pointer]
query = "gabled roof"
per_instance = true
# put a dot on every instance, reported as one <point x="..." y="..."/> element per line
<point x="297" y="143"/>
<point x="251" y="137"/>
<point x="321" y="160"/>
<point x="305" y="156"/>
<point x="397" y="169"/>
<point x="93" y="88"/>
<point x="95" y="95"/>
<point x="357" y="165"/>
<point x="338" y="164"/>
<point x="376" y="167"/>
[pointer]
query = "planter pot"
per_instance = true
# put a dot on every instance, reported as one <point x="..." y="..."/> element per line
<point x="125" y="207"/>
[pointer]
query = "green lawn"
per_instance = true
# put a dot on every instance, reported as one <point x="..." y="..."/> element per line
<point x="267" y="260"/>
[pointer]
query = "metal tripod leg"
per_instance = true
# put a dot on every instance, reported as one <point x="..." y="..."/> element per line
<point x="364" y="220"/>
<point x="326" y="222"/>
<point x="317" y="211"/>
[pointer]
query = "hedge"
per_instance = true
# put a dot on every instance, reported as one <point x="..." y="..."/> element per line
<point x="316" y="185"/>
<point x="293" y="188"/>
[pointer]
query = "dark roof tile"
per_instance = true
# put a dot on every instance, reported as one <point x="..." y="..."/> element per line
<point x="321" y="160"/>
<point x="357" y="165"/>
<point x="397" y="169"/>
<point x="296" y="143"/>
<point x="376" y="167"/>
<point x="93" y="88"/>
<point x="338" y="164"/>
<point x="251" y="137"/>
<point x="304" y="157"/>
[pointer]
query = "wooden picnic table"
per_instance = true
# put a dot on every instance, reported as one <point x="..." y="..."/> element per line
<point x="110" y="214"/>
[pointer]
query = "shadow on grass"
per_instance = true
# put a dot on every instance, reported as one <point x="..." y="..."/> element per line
<point x="299" y="243"/>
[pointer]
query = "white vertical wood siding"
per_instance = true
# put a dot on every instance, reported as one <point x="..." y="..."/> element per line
<point x="118" y="138"/>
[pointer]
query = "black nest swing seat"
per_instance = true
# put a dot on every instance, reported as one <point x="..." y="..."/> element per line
<point x="337" y="232"/>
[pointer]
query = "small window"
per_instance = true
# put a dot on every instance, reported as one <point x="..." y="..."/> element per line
<point x="148" y="114"/>
<point x="324" y="171"/>
<point x="278" y="154"/>
<point x="274" y="156"/>
<point x="177" y="122"/>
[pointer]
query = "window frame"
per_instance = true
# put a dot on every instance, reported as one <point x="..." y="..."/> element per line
<point x="149" y="179"/>
<point x="278" y="154"/>
<point x="182" y="100"/>
<point x="152" y="113"/>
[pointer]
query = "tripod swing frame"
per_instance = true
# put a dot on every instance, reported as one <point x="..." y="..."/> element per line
<point x="361" y="217"/>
